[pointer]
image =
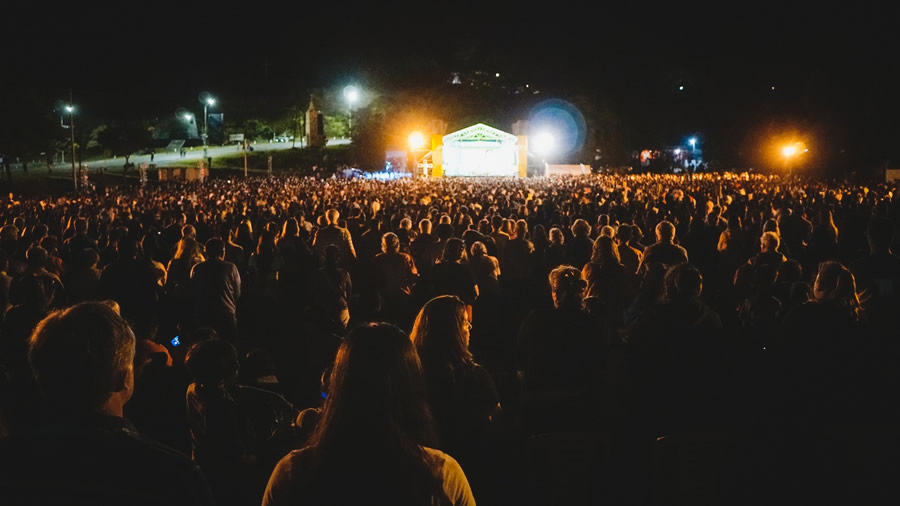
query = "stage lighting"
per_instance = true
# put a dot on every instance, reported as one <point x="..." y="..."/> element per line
<point x="416" y="141"/>
<point x="544" y="143"/>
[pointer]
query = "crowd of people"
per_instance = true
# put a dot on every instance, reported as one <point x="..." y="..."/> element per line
<point x="584" y="339"/>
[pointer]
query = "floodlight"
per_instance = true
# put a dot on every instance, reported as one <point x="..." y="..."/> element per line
<point x="70" y="108"/>
<point x="544" y="143"/>
<point x="788" y="151"/>
<point x="416" y="140"/>
<point x="188" y="117"/>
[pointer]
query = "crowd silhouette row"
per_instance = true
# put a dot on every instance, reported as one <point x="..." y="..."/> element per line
<point x="622" y="339"/>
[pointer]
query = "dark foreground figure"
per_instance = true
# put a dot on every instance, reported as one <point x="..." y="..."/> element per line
<point x="86" y="452"/>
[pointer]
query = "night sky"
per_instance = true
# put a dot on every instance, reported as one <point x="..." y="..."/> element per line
<point x="835" y="69"/>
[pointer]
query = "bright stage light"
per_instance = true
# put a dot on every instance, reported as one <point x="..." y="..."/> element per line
<point x="70" y="108"/>
<point x="416" y="140"/>
<point x="788" y="151"/>
<point x="692" y="141"/>
<point x="188" y="117"/>
<point x="561" y="119"/>
<point x="544" y="143"/>
<point x="677" y="151"/>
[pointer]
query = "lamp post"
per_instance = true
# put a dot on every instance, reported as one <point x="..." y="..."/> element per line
<point x="208" y="101"/>
<point x="71" y="110"/>
<point x="351" y="93"/>
<point x="789" y="152"/>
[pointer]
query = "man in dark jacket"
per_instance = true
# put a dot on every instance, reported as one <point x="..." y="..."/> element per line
<point x="88" y="453"/>
<point x="216" y="287"/>
<point x="334" y="234"/>
<point x="664" y="250"/>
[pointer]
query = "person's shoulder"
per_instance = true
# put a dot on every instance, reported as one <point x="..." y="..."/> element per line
<point x="295" y="460"/>
<point x="453" y="479"/>
<point x="437" y="457"/>
<point x="443" y="464"/>
<point x="155" y="451"/>
<point x="202" y="266"/>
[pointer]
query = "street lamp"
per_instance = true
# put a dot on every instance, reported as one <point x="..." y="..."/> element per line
<point x="789" y="152"/>
<point x="351" y="93"/>
<point x="208" y="101"/>
<point x="71" y="110"/>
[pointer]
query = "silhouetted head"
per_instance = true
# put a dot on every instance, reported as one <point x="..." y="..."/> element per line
<point x="665" y="231"/>
<point x="567" y="287"/>
<point x="441" y="333"/>
<point x="81" y="356"/>
<point x="683" y="282"/>
<point x="454" y="251"/>
<point x="213" y="362"/>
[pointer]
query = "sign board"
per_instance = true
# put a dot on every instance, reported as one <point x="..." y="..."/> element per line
<point x="236" y="138"/>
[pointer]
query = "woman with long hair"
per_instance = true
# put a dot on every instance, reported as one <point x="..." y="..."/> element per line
<point x="486" y="270"/>
<point x="187" y="255"/>
<point x="374" y="441"/>
<point x="244" y="236"/>
<point x="609" y="289"/>
<point x="461" y="393"/>
<point x="836" y="286"/>
<point x="605" y="272"/>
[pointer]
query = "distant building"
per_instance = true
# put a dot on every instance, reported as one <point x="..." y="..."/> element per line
<point x="315" y="126"/>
